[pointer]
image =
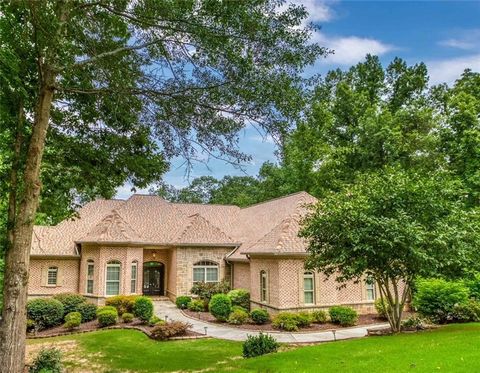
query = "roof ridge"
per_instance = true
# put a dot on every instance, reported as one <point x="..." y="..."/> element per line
<point x="111" y="215"/>
<point x="200" y="216"/>
<point x="282" y="222"/>
<point x="276" y="199"/>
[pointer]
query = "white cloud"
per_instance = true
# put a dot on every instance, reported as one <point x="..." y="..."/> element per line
<point x="466" y="40"/>
<point x="348" y="50"/>
<point x="448" y="70"/>
<point x="261" y="138"/>
<point x="318" y="10"/>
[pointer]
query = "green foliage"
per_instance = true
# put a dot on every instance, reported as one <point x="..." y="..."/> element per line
<point x="154" y="320"/>
<point x="344" y="316"/>
<point x="206" y="290"/>
<point x="220" y="306"/>
<point x="48" y="360"/>
<point x="70" y="301"/>
<point x="123" y="303"/>
<point x="127" y="317"/>
<point x="319" y="316"/>
<point x="107" y="316"/>
<point x="143" y="308"/>
<point x="46" y="312"/>
<point x="286" y="321"/>
<point x="31" y="325"/>
<point x="304" y="319"/>
<point x="238" y="317"/>
<point x="467" y="312"/>
<point x="259" y="316"/>
<point x="382" y="307"/>
<point x="436" y="298"/>
<point x="413" y="323"/>
<point x="240" y="297"/>
<point x="170" y="329"/>
<point x="196" y="305"/>
<point x="473" y="285"/>
<point x="72" y="320"/>
<point x="88" y="311"/>
<point x="259" y="345"/>
<point x="183" y="301"/>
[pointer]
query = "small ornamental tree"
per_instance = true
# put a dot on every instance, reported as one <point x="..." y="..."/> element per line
<point x="393" y="226"/>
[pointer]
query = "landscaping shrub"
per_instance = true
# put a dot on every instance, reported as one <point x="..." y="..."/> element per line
<point x="238" y="308"/>
<point x="286" y="321"/>
<point x="238" y="317"/>
<point x="170" y="329"/>
<point x="31" y="325"/>
<point x="127" y="317"/>
<point x="143" y="308"/>
<point x="48" y="360"/>
<point x="72" y="320"/>
<point x="107" y="316"/>
<point x="240" y="297"/>
<point x="473" y="286"/>
<point x="46" y="312"/>
<point x="304" y="319"/>
<point x="70" y="301"/>
<point x="344" y="316"/>
<point x="259" y="316"/>
<point x="319" y="316"/>
<point x="183" y="301"/>
<point x="413" y="323"/>
<point x="88" y="311"/>
<point x="220" y="306"/>
<point x="196" y="305"/>
<point x="123" y="303"/>
<point x="154" y="320"/>
<point x="467" y="312"/>
<point x="436" y="298"/>
<point x="206" y="291"/>
<point x="259" y="345"/>
<point x="382" y="307"/>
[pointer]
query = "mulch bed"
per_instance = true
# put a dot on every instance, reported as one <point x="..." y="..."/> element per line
<point x="91" y="326"/>
<point x="367" y="319"/>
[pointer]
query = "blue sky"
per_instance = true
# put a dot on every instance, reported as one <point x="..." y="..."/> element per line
<point x="444" y="35"/>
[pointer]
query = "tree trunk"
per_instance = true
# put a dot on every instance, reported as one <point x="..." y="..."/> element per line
<point x="17" y="259"/>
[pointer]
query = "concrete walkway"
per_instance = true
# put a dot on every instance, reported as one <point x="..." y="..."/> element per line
<point x="167" y="308"/>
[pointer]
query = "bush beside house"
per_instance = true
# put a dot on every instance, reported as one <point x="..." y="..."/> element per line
<point x="143" y="308"/>
<point x="220" y="306"/>
<point x="344" y="316"/>
<point x="45" y="312"/>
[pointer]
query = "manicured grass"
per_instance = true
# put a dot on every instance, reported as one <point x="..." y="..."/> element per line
<point x="453" y="348"/>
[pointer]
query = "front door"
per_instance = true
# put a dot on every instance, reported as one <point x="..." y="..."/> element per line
<point x="153" y="278"/>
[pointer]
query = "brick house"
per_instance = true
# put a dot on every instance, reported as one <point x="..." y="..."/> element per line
<point x="146" y="245"/>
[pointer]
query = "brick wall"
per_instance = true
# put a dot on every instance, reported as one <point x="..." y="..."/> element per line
<point x="67" y="278"/>
<point x="241" y="275"/>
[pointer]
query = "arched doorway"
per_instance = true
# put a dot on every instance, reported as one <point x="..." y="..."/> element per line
<point x="153" y="278"/>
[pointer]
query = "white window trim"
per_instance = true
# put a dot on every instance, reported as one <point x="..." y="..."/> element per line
<point x="113" y="264"/>
<point x="312" y="276"/>
<point x="263" y="275"/>
<point x="134" y="279"/>
<point x="370" y="285"/>
<point x="90" y="263"/>
<point x="52" y="269"/>
<point x="205" y="267"/>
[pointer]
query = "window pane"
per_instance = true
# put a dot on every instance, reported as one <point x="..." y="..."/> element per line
<point x="90" y="270"/>
<point x="134" y="271"/>
<point x="113" y="273"/>
<point x="212" y="274"/>
<point x="370" y="294"/>
<point x="308" y="283"/>
<point x="309" y="297"/>
<point x="52" y="276"/>
<point x="113" y="288"/>
<point x="198" y="274"/>
<point x="89" y="286"/>
<point x="133" y="286"/>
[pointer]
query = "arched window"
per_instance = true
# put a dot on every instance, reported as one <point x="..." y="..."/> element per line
<point x="90" y="276"/>
<point x="133" y="280"/>
<point x="263" y="286"/>
<point x="52" y="276"/>
<point x="205" y="271"/>
<point x="370" y="288"/>
<point x="112" y="278"/>
<point x="309" y="288"/>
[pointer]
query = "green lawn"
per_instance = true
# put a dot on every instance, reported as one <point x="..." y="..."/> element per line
<point x="454" y="348"/>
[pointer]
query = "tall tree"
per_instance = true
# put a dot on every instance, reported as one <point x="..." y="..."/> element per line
<point x="99" y="92"/>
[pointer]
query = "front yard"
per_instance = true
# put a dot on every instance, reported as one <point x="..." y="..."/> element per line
<point x="453" y="348"/>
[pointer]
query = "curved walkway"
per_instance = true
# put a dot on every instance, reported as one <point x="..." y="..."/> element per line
<point x="167" y="308"/>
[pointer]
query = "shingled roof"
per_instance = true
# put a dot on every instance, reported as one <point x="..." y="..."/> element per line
<point x="269" y="227"/>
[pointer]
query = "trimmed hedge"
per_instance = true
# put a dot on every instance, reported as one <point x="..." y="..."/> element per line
<point x="238" y="317"/>
<point x="344" y="316"/>
<point x="46" y="312"/>
<point x="259" y="316"/>
<point x="72" y="320"/>
<point x="319" y="316"/>
<point x="88" y="311"/>
<point x="286" y="321"/>
<point x="107" y="316"/>
<point x="207" y="290"/>
<point x="127" y="317"/>
<point x="220" y="306"/>
<point x="240" y="297"/>
<point x="143" y="308"/>
<point x="170" y="329"/>
<point x="183" y="301"/>
<point x="70" y="301"/>
<point x="123" y="303"/>
<point x="196" y="305"/>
